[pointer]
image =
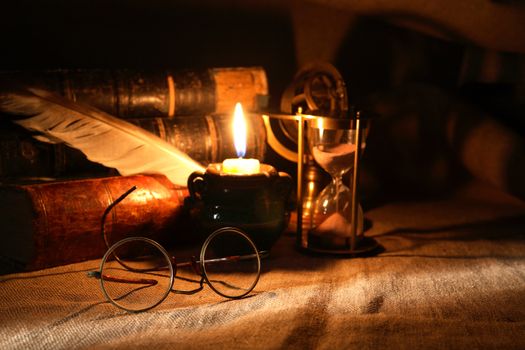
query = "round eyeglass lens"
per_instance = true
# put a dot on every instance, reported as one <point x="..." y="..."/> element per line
<point x="230" y="262"/>
<point x="136" y="274"/>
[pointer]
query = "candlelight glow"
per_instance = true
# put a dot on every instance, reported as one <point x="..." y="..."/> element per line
<point x="239" y="131"/>
<point x="240" y="166"/>
<point x="320" y="126"/>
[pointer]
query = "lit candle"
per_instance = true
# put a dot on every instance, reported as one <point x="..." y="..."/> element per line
<point x="240" y="166"/>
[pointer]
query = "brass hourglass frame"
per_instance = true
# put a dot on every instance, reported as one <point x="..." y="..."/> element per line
<point x="354" y="122"/>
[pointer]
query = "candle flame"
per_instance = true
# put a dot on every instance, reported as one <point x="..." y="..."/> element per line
<point x="239" y="131"/>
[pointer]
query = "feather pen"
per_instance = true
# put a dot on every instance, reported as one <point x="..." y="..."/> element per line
<point x="104" y="139"/>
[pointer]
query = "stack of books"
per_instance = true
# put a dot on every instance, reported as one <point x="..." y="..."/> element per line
<point x="52" y="197"/>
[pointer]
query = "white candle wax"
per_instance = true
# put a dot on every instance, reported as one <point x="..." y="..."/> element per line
<point x="240" y="166"/>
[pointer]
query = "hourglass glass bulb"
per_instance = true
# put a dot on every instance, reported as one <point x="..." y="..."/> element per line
<point x="335" y="160"/>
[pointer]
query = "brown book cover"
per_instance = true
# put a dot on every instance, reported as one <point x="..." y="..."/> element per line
<point x="144" y="94"/>
<point x="205" y="138"/>
<point x="22" y="156"/>
<point x="51" y="224"/>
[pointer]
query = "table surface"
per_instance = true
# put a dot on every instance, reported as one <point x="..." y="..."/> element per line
<point x="452" y="276"/>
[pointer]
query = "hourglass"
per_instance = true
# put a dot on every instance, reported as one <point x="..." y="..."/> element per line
<point x="331" y="221"/>
<point x="334" y="222"/>
<point x="333" y="145"/>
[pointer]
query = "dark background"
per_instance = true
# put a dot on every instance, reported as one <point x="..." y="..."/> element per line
<point x="146" y="35"/>
<point x="139" y="34"/>
<point x="378" y="54"/>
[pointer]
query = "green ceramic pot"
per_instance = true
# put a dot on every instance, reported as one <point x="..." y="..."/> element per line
<point x="258" y="204"/>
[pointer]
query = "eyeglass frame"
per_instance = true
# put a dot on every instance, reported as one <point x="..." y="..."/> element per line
<point x="197" y="265"/>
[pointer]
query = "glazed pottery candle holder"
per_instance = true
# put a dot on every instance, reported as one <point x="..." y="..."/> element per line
<point x="257" y="203"/>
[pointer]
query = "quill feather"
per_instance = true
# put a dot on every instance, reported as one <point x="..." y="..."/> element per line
<point x="102" y="138"/>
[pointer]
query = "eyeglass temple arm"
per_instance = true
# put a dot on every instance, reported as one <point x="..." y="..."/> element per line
<point x="262" y="254"/>
<point x="108" y="209"/>
<point x="98" y="275"/>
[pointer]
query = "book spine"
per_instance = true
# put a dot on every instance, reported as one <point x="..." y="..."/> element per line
<point x="137" y="94"/>
<point x="60" y="222"/>
<point x="205" y="138"/>
<point x="21" y="156"/>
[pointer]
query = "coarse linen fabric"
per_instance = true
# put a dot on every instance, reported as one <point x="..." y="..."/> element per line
<point x="452" y="276"/>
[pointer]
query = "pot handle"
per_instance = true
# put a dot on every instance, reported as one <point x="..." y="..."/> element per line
<point x="284" y="184"/>
<point x="196" y="184"/>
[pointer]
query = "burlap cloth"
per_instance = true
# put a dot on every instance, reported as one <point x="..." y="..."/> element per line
<point x="452" y="276"/>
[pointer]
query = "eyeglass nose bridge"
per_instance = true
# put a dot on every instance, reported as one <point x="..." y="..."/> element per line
<point x="196" y="265"/>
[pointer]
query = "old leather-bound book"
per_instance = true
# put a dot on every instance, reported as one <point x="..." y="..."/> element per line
<point x="51" y="224"/>
<point x="207" y="138"/>
<point x="140" y="94"/>
<point x="204" y="138"/>
<point x="23" y="157"/>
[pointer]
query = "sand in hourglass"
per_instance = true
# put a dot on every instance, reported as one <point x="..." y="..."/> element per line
<point x="333" y="233"/>
<point x="334" y="225"/>
<point x="334" y="159"/>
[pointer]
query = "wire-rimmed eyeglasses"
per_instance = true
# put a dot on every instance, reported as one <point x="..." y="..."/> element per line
<point x="137" y="273"/>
